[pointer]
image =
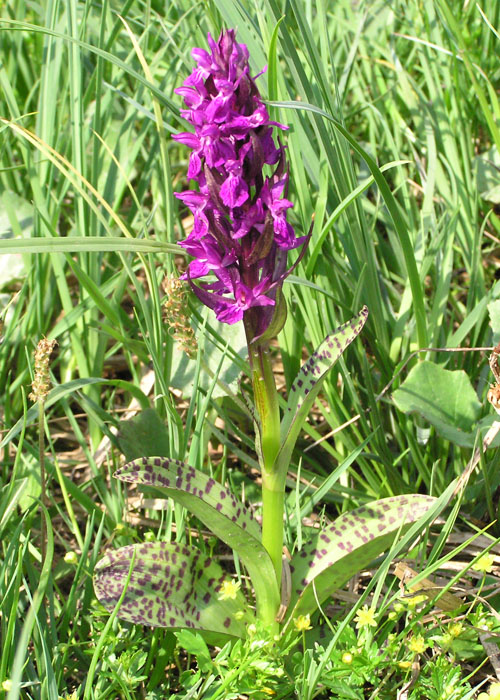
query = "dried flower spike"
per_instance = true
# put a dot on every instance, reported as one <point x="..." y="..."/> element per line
<point x="240" y="233"/>
<point x="177" y="316"/>
<point x="41" y="383"/>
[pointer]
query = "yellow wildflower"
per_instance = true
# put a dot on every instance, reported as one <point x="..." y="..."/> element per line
<point x="404" y="665"/>
<point x="7" y="685"/>
<point x="493" y="694"/>
<point x="303" y="623"/>
<point x="484" y="564"/>
<point x="455" y="630"/>
<point x="347" y="657"/>
<point x="365" y="617"/>
<point x="417" y="644"/>
<point x="229" y="589"/>
<point x="415" y="600"/>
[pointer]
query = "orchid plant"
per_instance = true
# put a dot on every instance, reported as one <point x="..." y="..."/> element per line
<point x="241" y="236"/>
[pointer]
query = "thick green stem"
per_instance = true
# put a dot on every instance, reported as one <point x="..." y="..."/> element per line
<point x="272" y="520"/>
<point x="266" y="402"/>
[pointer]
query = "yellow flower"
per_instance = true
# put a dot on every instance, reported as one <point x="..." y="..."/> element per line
<point x="455" y="630"/>
<point x="268" y="691"/>
<point x="303" y="623"/>
<point x="415" y="600"/>
<point x="484" y="564"/>
<point x="365" y="617"/>
<point x="229" y="589"/>
<point x="494" y="692"/>
<point x="347" y="657"/>
<point x="7" y="685"/>
<point x="404" y="665"/>
<point x="417" y="644"/>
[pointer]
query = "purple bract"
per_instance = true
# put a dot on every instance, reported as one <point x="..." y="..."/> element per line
<point x="240" y="231"/>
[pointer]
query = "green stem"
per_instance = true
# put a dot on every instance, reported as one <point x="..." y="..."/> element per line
<point x="273" y="497"/>
<point x="266" y="403"/>
<point x="268" y="427"/>
<point x="41" y="458"/>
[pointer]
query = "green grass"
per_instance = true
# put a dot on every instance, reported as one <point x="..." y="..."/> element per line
<point x="390" y="108"/>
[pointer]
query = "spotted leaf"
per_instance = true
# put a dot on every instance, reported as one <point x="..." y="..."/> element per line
<point x="218" y="509"/>
<point x="308" y="382"/>
<point x="348" y="545"/>
<point x="171" y="585"/>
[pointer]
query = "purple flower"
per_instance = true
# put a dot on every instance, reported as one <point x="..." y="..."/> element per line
<point x="240" y="234"/>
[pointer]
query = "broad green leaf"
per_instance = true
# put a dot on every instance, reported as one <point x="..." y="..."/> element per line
<point x="171" y="585"/>
<point x="444" y="398"/>
<point x="227" y="369"/>
<point x="144" y="435"/>
<point x="348" y="545"/>
<point x="218" y="509"/>
<point x="308" y="382"/>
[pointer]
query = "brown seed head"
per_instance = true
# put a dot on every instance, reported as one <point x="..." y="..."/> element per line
<point x="41" y="383"/>
<point x="177" y="316"/>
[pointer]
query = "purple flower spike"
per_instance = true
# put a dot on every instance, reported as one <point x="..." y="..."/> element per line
<point x="240" y="232"/>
